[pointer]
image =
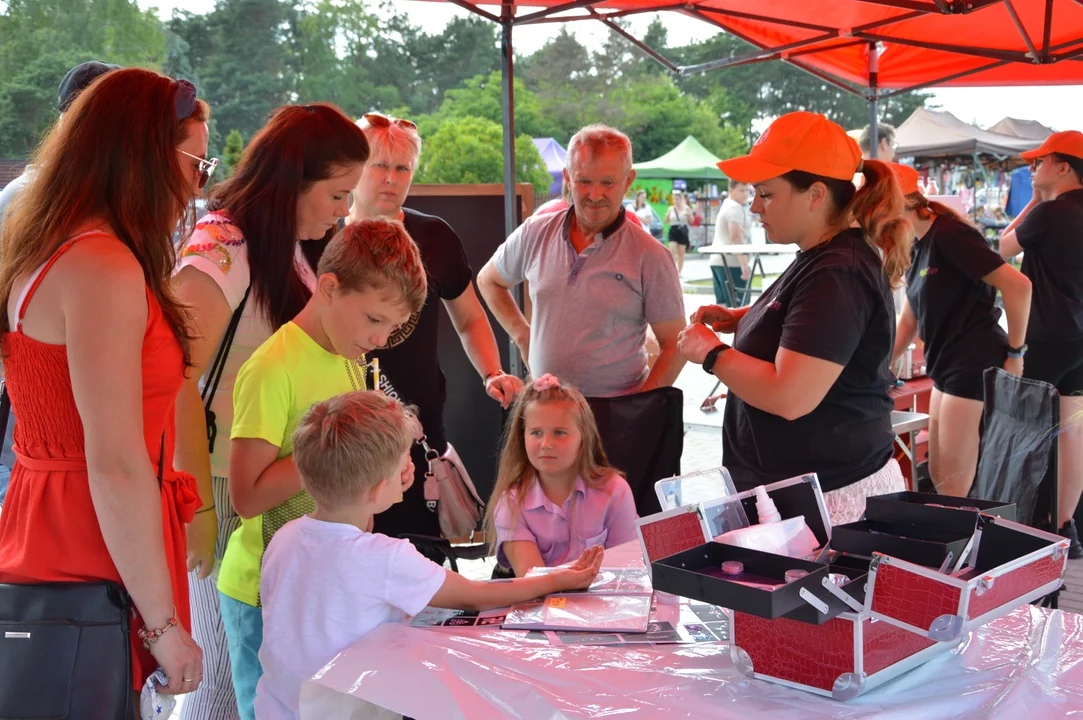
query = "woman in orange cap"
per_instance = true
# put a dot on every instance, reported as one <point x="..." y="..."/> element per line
<point x="1050" y="231"/>
<point x="808" y="374"/>
<point x="951" y="290"/>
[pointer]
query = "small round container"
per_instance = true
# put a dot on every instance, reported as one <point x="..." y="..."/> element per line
<point x="733" y="567"/>
<point x="795" y="574"/>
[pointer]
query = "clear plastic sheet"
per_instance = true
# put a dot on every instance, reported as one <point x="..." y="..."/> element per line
<point x="1028" y="664"/>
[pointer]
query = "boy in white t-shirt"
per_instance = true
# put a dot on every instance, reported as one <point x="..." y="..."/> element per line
<point x="327" y="581"/>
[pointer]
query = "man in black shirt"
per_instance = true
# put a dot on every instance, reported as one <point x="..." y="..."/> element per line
<point x="1049" y="232"/>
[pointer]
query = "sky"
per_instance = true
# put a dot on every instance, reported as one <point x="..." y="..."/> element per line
<point x="1060" y="108"/>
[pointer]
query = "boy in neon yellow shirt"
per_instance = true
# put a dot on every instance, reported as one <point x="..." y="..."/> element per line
<point x="371" y="280"/>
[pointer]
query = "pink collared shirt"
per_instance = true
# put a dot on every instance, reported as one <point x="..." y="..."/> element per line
<point x="602" y="515"/>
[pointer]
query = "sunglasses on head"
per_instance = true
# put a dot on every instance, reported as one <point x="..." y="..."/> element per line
<point x="206" y="167"/>
<point x="381" y="121"/>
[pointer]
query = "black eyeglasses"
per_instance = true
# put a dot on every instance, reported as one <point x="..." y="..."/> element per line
<point x="1036" y="163"/>
<point x="206" y="167"/>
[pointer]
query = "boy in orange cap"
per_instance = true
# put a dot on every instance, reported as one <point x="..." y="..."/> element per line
<point x="808" y="374"/>
<point x="1050" y="231"/>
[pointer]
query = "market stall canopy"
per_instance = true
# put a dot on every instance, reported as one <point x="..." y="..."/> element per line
<point x="554" y="157"/>
<point x="922" y="42"/>
<point x="689" y="161"/>
<point x="1029" y="129"/>
<point x="939" y="134"/>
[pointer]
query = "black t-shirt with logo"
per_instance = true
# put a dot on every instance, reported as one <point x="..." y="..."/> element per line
<point x="1051" y="236"/>
<point x="956" y="311"/>
<point x="834" y="303"/>
<point x="410" y="364"/>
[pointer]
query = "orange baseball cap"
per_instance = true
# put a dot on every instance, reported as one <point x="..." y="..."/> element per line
<point x="907" y="177"/>
<point x="797" y="141"/>
<point x="1069" y="142"/>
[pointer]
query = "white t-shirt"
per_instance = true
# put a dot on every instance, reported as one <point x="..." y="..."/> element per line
<point x="324" y="586"/>
<point x="731" y="211"/>
<point x="217" y="247"/>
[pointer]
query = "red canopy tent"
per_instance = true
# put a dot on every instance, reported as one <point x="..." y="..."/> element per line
<point x="871" y="48"/>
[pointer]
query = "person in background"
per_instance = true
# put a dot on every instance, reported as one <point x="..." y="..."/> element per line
<point x="255" y="254"/>
<point x="950" y="303"/>
<point x="596" y="281"/>
<point x="328" y="580"/>
<point x="886" y="144"/>
<point x="642" y="210"/>
<point x="679" y="218"/>
<point x="410" y="364"/>
<point x="555" y="495"/>
<point x="1049" y="233"/>
<point x="808" y="373"/>
<point x="95" y="346"/>
<point x="75" y="81"/>
<point x="733" y="227"/>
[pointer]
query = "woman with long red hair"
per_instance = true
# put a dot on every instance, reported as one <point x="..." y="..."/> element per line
<point x="95" y="349"/>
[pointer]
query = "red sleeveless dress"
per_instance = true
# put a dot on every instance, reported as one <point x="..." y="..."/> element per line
<point x="49" y="530"/>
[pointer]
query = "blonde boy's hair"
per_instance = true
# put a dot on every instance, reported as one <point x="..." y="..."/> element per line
<point x="377" y="254"/>
<point x="345" y="446"/>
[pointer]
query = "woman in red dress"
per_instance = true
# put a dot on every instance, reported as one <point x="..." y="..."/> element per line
<point x="95" y="349"/>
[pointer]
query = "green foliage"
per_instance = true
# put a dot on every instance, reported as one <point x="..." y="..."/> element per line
<point x="470" y="150"/>
<point x="231" y="153"/>
<point x="40" y="40"/>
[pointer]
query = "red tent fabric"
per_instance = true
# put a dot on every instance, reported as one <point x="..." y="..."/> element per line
<point x="924" y="42"/>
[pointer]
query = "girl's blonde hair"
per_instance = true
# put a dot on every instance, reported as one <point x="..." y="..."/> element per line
<point x="516" y="475"/>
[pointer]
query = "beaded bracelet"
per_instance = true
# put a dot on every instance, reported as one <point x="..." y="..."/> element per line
<point x="149" y="637"/>
<point x="494" y="374"/>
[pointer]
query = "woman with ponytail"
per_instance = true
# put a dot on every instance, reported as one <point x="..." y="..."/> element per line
<point x="808" y="374"/>
<point x="950" y="304"/>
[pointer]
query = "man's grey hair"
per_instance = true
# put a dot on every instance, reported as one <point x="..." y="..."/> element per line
<point x="601" y="138"/>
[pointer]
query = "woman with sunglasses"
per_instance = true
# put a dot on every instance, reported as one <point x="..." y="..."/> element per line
<point x="950" y="303"/>
<point x="249" y="265"/>
<point x="95" y="347"/>
<point x="410" y="366"/>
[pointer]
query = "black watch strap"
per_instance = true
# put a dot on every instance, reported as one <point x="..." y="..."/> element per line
<point x="712" y="357"/>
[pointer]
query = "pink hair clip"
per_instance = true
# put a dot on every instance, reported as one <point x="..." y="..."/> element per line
<point x="546" y="382"/>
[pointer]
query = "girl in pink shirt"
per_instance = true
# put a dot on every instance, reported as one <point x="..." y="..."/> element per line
<point x="555" y="494"/>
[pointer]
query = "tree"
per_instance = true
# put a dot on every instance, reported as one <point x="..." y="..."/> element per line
<point x="40" y="40"/>
<point x="470" y="150"/>
<point x="467" y="48"/>
<point x="232" y="152"/>
<point x="657" y="116"/>
<point x="482" y="96"/>
<point x="248" y="71"/>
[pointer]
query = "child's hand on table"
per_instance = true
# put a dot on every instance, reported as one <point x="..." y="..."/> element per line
<point x="582" y="572"/>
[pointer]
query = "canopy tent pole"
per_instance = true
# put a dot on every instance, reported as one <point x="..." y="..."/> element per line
<point x="874" y="117"/>
<point x="517" y="364"/>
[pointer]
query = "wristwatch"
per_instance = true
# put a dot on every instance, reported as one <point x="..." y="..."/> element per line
<point x="712" y="357"/>
<point x="1017" y="353"/>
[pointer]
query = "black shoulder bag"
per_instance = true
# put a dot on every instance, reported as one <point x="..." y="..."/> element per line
<point x="214" y="375"/>
<point x="65" y="650"/>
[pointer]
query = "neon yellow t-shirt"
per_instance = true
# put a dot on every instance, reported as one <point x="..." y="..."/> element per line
<point x="285" y="376"/>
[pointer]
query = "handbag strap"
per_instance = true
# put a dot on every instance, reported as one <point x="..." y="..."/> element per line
<point x="218" y="367"/>
<point x="5" y="418"/>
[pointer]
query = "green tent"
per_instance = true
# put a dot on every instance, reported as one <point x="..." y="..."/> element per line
<point x="688" y="161"/>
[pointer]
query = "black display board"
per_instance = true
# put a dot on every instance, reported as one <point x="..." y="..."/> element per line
<point x="474" y="421"/>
